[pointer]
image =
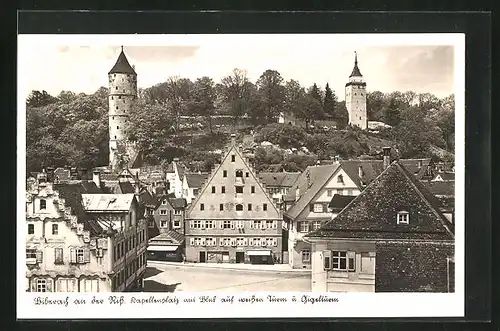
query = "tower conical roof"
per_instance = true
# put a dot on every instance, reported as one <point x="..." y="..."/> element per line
<point x="122" y="66"/>
<point x="355" y="71"/>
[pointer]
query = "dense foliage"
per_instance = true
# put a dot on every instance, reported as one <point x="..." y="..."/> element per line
<point x="182" y="118"/>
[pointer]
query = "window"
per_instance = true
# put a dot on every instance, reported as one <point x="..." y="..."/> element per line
<point x="329" y="192"/>
<point x="224" y="173"/>
<point x="177" y="212"/>
<point x="117" y="127"/>
<point x="55" y="229"/>
<point x="202" y="206"/>
<point x="163" y="212"/>
<point x="306" y="256"/>
<point x="340" y="191"/>
<point x="246" y="174"/>
<point x="256" y="224"/>
<point x="79" y="255"/>
<point x="239" y="207"/>
<point x="303" y="226"/>
<point x="209" y="224"/>
<point x="210" y="242"/>
<point x="341" y="261"/>
<point x="31" y="228"/>
<point x="30" y="253"/>
<point x="264" y="206"/>
<point x="164" y="202"/>
<point x="249" y="207"/>
<point x="403" y="217"/>
<point x="269" y="224"/>
<point x="253" y="189"/>
<point x="318" y="208"/>
<point x="41" y="285"/>
<point x="340" y="179"/>
<point x="223" y="189"/>
<point x="115" y="137"/>
<point x="233" y="158"/>
<point x="240" y="241"/>
<point x="316" y="225"/>
<point x="227" y="224"/>
<point x="43" y="204"/>
<point x="58" y="256"/>
<point x="239" y="189"/>
<point x="163" y="224"/>
<point x="195" y="191"/>
<point x="213" y="189"/>
<point x="196" y="224"/>
<point x="221" y="207"/>
<point x="239" y="173"/>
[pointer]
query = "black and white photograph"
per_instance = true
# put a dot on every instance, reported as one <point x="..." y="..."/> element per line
<point x="192" y="165"/>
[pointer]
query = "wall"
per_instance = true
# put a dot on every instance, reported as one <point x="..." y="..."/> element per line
<point x="410" y="267"/>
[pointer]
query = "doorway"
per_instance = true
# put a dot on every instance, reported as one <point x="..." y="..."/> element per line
<point x="240" y="257"/>
<point x="202" y="257"/>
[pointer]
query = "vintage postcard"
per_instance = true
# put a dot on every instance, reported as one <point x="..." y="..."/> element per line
<point x="215" y="176"/>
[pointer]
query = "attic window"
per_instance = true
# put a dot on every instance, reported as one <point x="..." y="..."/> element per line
<point x="340" y="179"/>
<point x="233" y="158"/>
<point x="239" y="173"/>
<point x="403" y="217"/>
<point x="246" y="174"/>
<point x="43" y="204"/>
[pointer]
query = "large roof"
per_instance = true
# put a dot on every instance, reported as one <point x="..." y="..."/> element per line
<point x="373" y="213"/>
<point x="339" y="202"/>
<point x="171" y="237"/>
<point x="196" y="180"/>
<point x="281" y="179"/>
<point x="107" y="202"/>
<point x="441" y="188"/>
<point x="309" y="183"/>
<point x="122" y="66"/>
<point x="355" y="71"/>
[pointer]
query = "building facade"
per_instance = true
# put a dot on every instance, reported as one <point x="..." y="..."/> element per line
<point x="278" y="184"/>
<point x="390" y="238"/>
<point x="191" y="185"/>
<point x="233" y="219"/>
<point x="170" y="214"/>
<point x="355" y="98"/>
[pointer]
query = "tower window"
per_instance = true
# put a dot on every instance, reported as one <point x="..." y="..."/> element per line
<point x="116" y="87"/>
<point x="114" y="75"/>
<point x="113" y="117"/>
<point x="119" y="97"/>
<point x="111" y="97"/>
<point x="119" y="127"/>
<point x="355" y="94"/>
<point x="116" y="107"/>
<point x="115" y="137"/>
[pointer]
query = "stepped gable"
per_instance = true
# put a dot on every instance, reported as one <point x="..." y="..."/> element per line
<point x="373" y="213"/>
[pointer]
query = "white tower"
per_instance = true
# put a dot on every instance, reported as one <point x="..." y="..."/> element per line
<point x="122" y="95"/>
<point x="355" y="97"/>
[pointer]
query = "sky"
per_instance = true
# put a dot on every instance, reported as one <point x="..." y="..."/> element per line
<point x="56" y="63"/>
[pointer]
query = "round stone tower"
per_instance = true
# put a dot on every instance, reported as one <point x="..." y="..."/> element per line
<point x="355" y="97"/>
<point x="122" y="95"/>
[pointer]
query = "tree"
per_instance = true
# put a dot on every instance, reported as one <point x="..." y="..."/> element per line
<point x="375" y="105"/>
<point x="315" y="94"/>
<point x="39" y="99"/>
<point x="342" y="115"/>
<point x="392" y="112"/>
<point x="308" y="109"/>
<point x="428" y="101"/>
<point x="408" y="98"/>
<point x="204" y="98"/>
<point x="330" y="102"/>
<point x="293" y="94"/>
<point x="271" y="92"/>
<point x="234" y="91"/>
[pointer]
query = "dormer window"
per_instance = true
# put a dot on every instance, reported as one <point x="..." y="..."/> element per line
<point x="403" y="217"/>
<point x="340" y="179"/>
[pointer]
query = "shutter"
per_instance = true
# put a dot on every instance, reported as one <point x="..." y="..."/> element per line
<point x="203" y="225"/>
<point x="325" y="208"/>
<point x="86" y="255"/>
<point x="251" y="242"/>
<point x="191" y="241"/>
<point x="221" y="241"/>
<point x="203" y="241"/>
<point x="275" y="224"/>
<point x="251" y="224"/>
<point x="327" y="260"/>
<point x="33" y="284"/>
<point x="245" y="242"/>
<point x="275" y="241"/>
<point x="50" y="285"/>
<point x="191" y="224"/>
<point x="39" y="256"/>
<point x="232" y="224"/>
<point x="242" y="225"/>
<point x="72" y="255"/>
<point x="351" y="260"/>
<point x="311" y="207"/>
<point x="263" y="242"/>
<point x="221" y="224"/>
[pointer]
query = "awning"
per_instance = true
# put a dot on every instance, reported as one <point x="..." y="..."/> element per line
<point x="163" y="248"/>
<point x="262" y="252"/>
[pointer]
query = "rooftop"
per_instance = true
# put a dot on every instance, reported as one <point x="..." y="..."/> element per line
<point x="122" y="66"/>
<point x="107" y="202"/>
<point x="282" y="179"/>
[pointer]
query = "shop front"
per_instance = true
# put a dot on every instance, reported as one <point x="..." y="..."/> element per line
<point x="170" y="253"/>
<point x="261" y="256"/>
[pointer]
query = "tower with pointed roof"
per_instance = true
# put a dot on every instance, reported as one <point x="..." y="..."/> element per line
<point x="355" y="97"/>
<point x="122" y="95"/>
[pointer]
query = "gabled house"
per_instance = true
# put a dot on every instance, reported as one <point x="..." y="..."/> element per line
<point x="233" y="219"/>
<point x="175" y="179"/>
<point x="169" y="215"/>
<point x="191" y="185"/>
<point x="390" y="238"/>
<point x="278" y="184"/>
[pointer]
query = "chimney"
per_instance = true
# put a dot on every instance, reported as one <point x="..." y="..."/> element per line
<point x="233" y="139"/>
<point x="360" y="172"/>
<point x="387" y="157"/>
<point x="96" y="178"/>
<point x="176" y="159"/>
<point x="336" y="158"/>
<point x="420" y="164"/>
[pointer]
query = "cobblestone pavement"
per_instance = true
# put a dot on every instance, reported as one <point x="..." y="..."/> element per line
<point x="175" y="278"/>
